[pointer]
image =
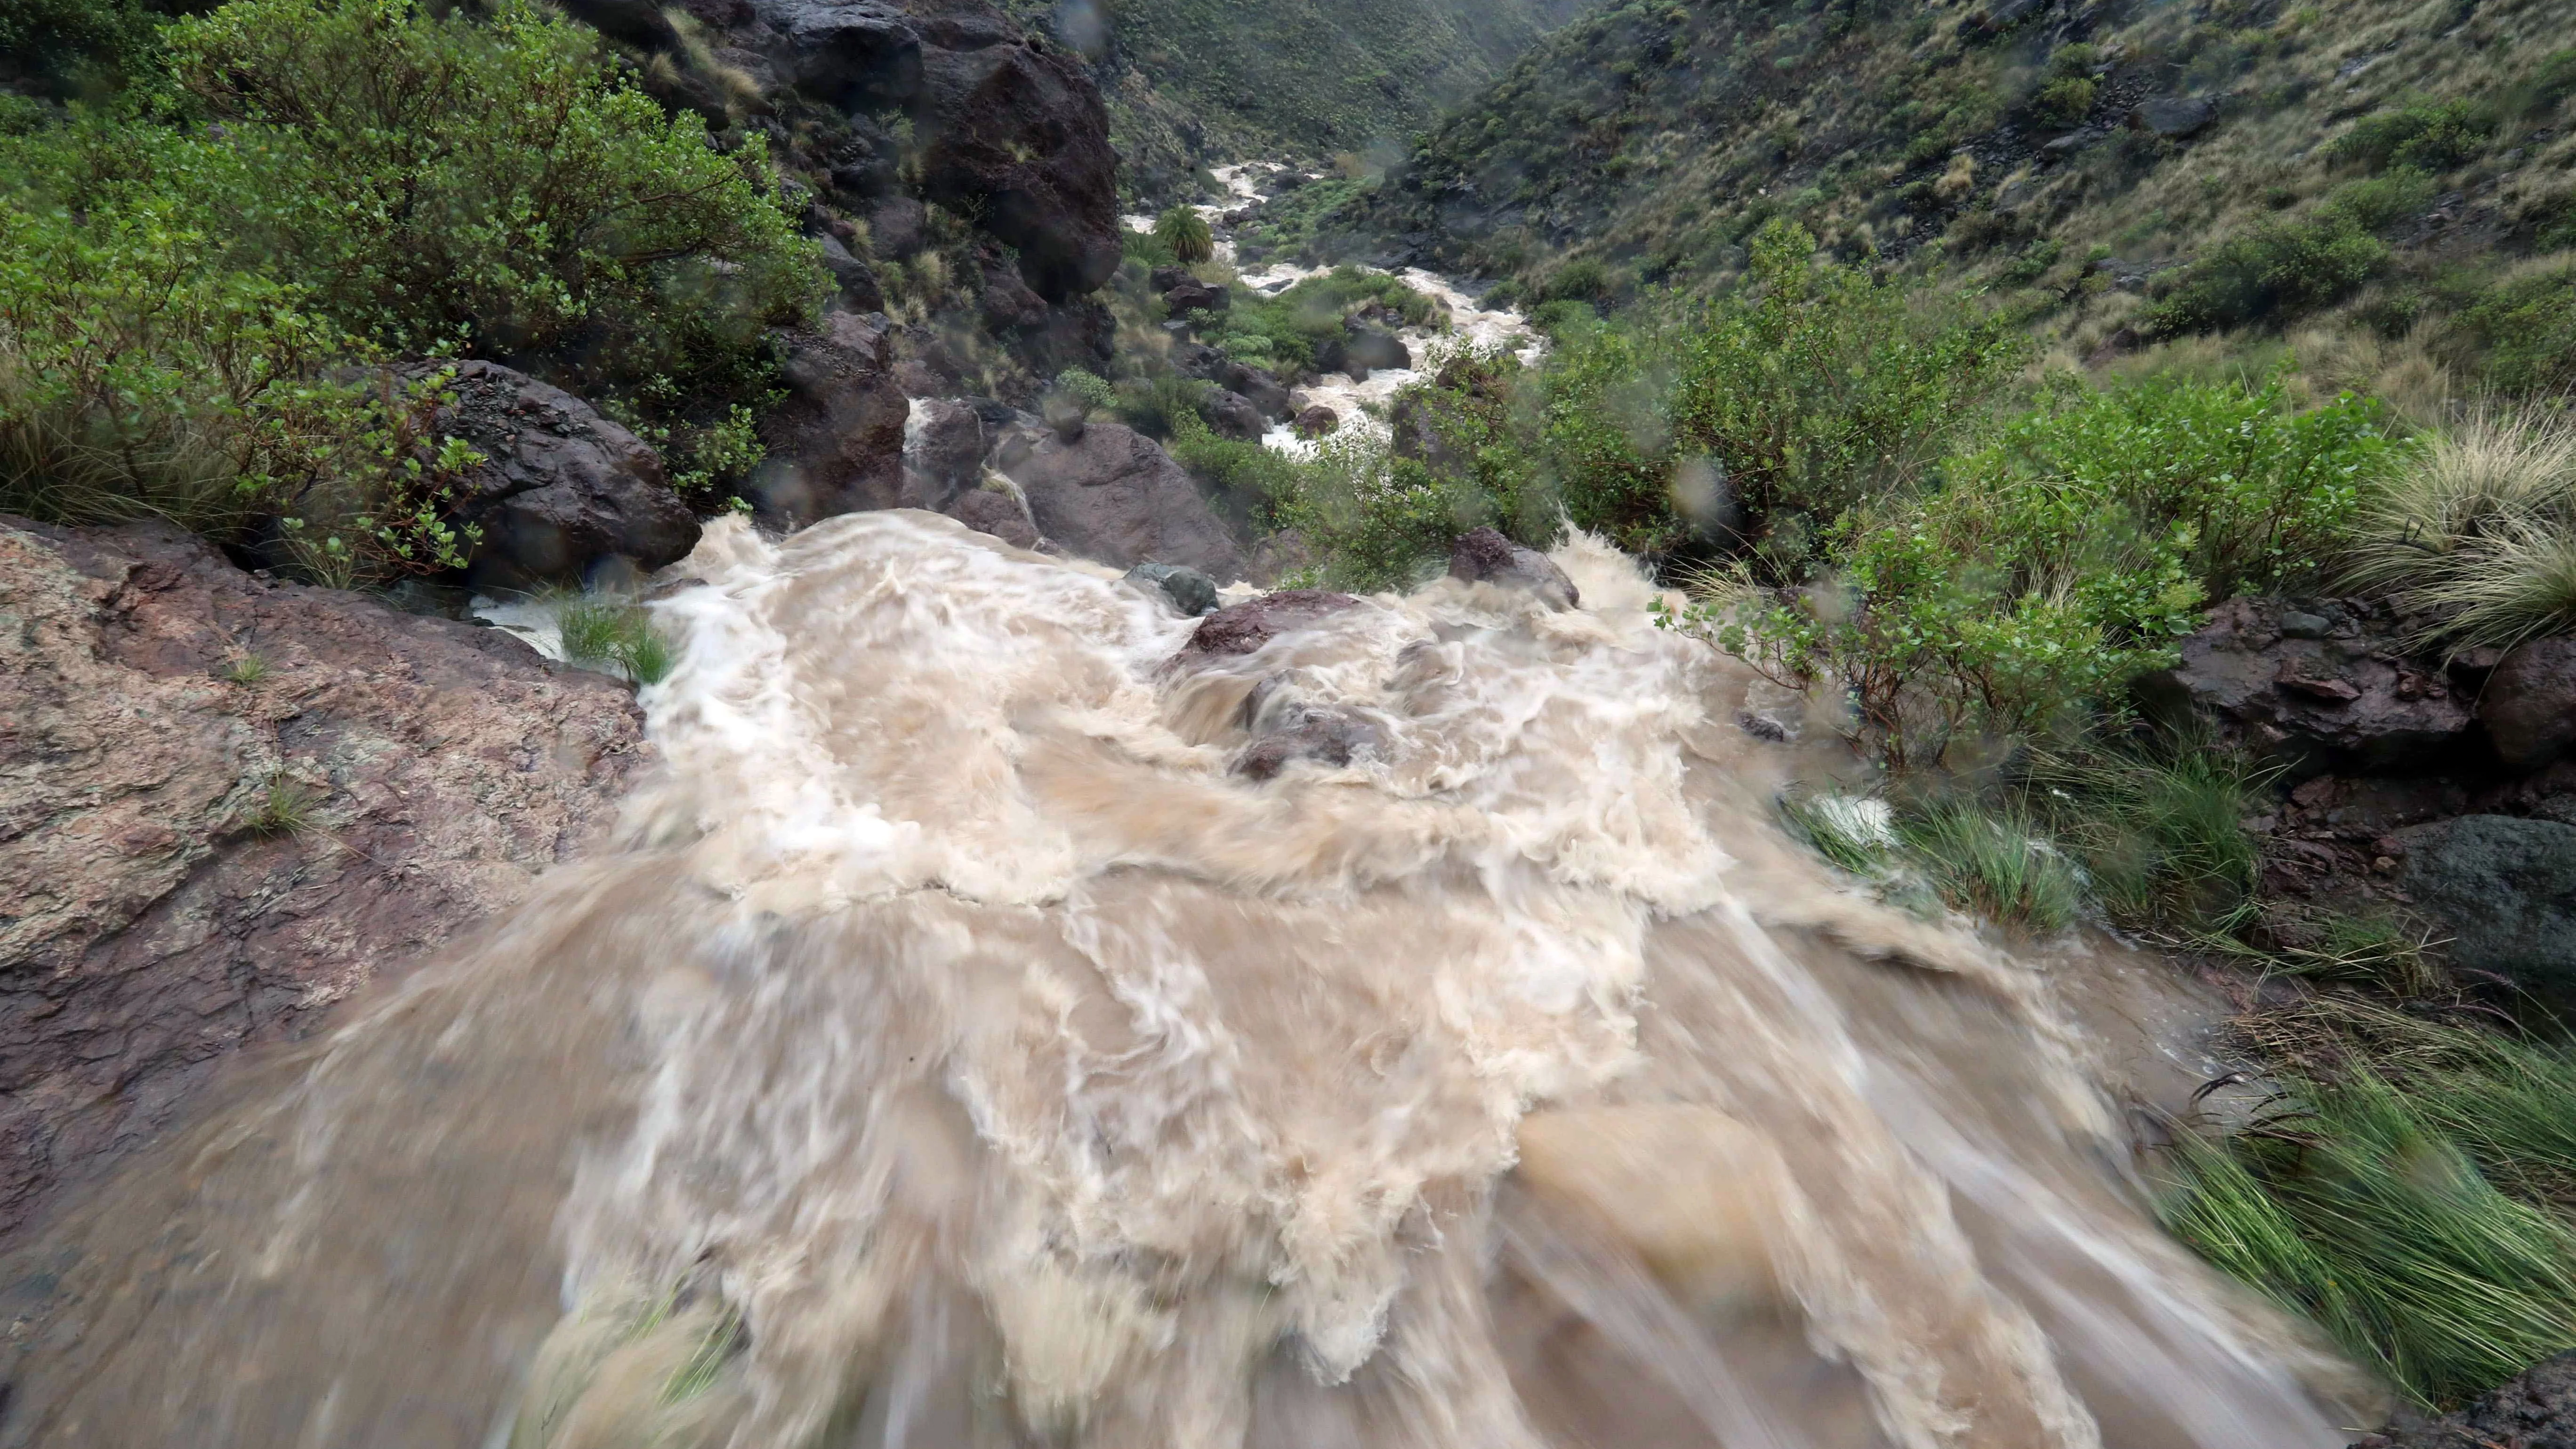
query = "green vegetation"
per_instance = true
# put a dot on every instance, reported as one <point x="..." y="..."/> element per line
<point x="2408" y="1191"/>
<point x="244" y="668"/>
<point x="1298" y="329"/>
<point x="1185" y="235"/>
<point x="2480" y="529"/>
<point x="287" y="807"/>
<point x="599" y="630"/>
<point x="204" y="278"/>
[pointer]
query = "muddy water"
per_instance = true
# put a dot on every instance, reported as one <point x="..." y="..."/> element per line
<point x="957" y="1054"/>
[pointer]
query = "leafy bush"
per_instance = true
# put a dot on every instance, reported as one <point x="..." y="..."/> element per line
<point x="1155" y="405"/>
<point x="1291" y="332"/>
<point x="494" y="186"/>
<point x="2278" y="270"/>
<point x="1374" y="520"/>
<point x="1814" y="388"/>
<point x="2427" y="136"/>
<point x="1253" y="484"/>
<point x="2379" y="202"/>
<point x="2528" y="329"/>
<point x="1088" y="388"/>
<point x="62" y="43"/>
<point x="137" y="379"/>
<point x="2065" y="101"/>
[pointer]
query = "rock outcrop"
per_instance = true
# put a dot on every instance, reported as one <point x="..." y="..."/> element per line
<point x="230" y="802"/>
<point x="2529" y="704"/>
<point x="1112" y="494"/>
<point x="561" y="488"/>
<point x="836" y="444"/>
<point x="2536" y="1409"/>
<point x="2320" y="688"/>
<point x="2504" y="890"/>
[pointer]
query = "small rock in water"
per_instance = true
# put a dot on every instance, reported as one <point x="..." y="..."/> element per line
<point x="1484" y="556"/>
<point x="1375" y="349"/>
<point x="1317" y="420"/>
<point x="1191" y="592"/>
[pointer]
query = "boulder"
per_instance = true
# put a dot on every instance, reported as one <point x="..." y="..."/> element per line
<point x="943" y="453"/>
<point x="1194" y="295"/>
<point x="867" y="166"/>
<point x="2352" y="699"/>
<point x="1316" y="420"/>
<point x="1485" y="556"/>
<point x="1113" y="495"/>
<point x="161" y="915"/>
<point x="857" y="280"/>
<point x="1007" y="302"/>
<point x="2536" y="1409"/>
<point x="836" y="442"/>
<point x="1239" y="629"/>
<point x="1164" y="279"/>
<point x="1374" y="349"/>
<point x="1233" y="415"/>
<point x="2529" y="703"/>
<point x="1259" y="388"/>
<point x="1188" y="590"/>
<point x="2504" y="889"/>
<point x="2173" y="117"/>
<point x="993" y="511"/>
<point x="561" y="488"/>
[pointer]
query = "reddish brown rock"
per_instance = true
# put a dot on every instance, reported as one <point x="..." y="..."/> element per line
<point x="155" y="920"/>
<point x="2331" y="688"/>
<point x="1242" y="628"/>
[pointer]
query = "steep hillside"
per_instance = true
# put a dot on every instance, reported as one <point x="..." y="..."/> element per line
<point x="1194" y="82"/>
<point x="2139" y="170"/>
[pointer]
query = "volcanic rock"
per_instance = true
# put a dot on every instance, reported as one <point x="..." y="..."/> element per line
<point x="1112" y="494"/>
<point x="836" y="443"/>
<point x="2352" y="699"/>
<point x="231" y="803"/>
<point x="2529" y="703"/>
<point x="2505" y="889"/>
<point x="561" y="487"/>
<point x="1485" y="556"/>
<point x="1243" y="628"/>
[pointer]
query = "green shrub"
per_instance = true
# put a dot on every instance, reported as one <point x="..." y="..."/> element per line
<point x="1374" y="520"/>
<point x="1252" y="483"/>
<point x="2527" y="327"/>
<point x="2065" y="101"/>
<point x="2428" y="136"/>
<point x="2379" y="202"/>
<point x="137" y="379"/>
<point x="64" y="44"/>
<point x="1815" y="387"/>
<point x="1087" y="388"/>
<point x="495" y="186"/>
<point x="1288" y="332"/>
<point x="1156" y="404"/>
<point x="2276" y="271"/>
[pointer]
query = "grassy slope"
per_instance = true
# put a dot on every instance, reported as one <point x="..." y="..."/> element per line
<point x="1198" y="81"/>
<point x="1651" y="139"/>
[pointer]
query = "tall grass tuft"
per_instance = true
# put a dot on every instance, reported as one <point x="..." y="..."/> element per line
<point x="597" y="631"/>
<point x="2408" y="1194"/>
<point x="2481" y="530"/>
<point x="2160" y="831"/>
<point x="1992" y="863"/>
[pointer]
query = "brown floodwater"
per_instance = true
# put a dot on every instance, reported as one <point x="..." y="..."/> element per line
<point x="953" y="1052"/>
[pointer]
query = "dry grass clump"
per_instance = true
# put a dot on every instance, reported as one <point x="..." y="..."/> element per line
<point x="2480" y="531"/>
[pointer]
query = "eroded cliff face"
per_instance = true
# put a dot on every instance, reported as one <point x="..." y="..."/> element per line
<point x="226" y="803"/>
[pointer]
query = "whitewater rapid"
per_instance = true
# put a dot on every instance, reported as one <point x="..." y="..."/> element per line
<point x="957" y="1050"/>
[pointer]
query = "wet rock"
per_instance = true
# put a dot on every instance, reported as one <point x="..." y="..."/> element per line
<point x="836" y="442"/>
<point x="1485" y="556"/>
<point x="943" y="453"/>
<point x="150" y="928"/>
<point x="1007" y="303"/>
<point x="2529" y="703"/>
<point x="993" y="511"/>
<point x="1320" y="735"/>
<point x="896" y="228"/>
<point x="1239" y="629"/>
<point x="856" y="279"/>
<point x="1165" y="279"/>
<point x="1259" y="388"/>
<point x="1233" y="415"/>
<point x="2536" y="1409"/>
<point x="867" y="165"/>
<point x="2350" y="699"/>
<point x="1191" y="592"/>
<point x="561" y="488"/>
<point x="855" y="55"/>
<point x="2173" y="117"/>
<point x="2505" y="891"/>
<point x="1315" y="420"/>
<point x="1374" y="349"/>
<point x="1114" y="495"/>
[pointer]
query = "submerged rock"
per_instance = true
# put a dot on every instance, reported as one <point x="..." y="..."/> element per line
<point x="253" y="798"/>
<point x="561" y="487"/>
<point x="1485" y="556"/>
<point x="1189" y="591"/>
<point x="1239" y="629"/>
<point x="1316" y="420"/>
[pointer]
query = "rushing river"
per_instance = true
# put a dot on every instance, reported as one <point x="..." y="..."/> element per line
<point x="955" y="1052"/>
